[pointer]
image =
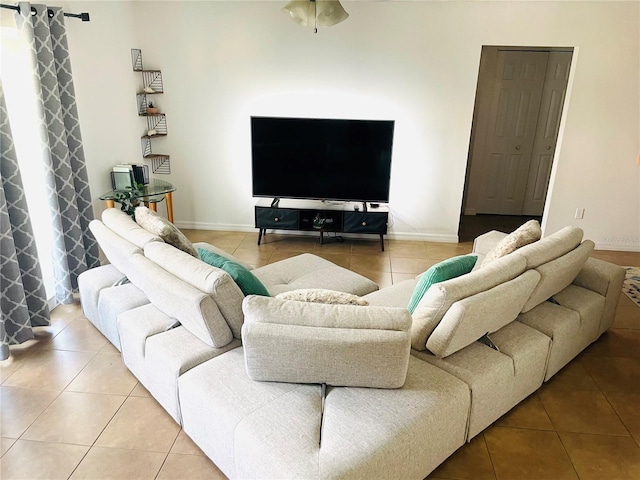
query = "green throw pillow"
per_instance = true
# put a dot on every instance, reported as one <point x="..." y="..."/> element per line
<point x="246" y="280"/>
<point x="445" y="270"/>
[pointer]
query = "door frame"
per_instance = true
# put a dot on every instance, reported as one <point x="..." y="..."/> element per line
<point x="487" y="65"/>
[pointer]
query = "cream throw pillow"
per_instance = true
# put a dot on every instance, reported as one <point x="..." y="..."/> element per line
<point x="154" y="223"/>
<point x="525" y="234"/>
<point x="320" y="295"/>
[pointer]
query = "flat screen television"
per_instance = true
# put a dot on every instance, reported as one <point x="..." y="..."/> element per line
<point x="322" y="159"/>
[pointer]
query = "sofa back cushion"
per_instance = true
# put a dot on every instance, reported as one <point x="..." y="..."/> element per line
<point x="438" y="299"/>
<point x="341" y="345"/>
<point x="127" y="228"/>
<point x="486" y="312"/>
<point x="524" y="235"/>
<point x="551" y="247"/>
<point x="556" y="275"/>
<point x="117" y="250"/>
<point x="210" y="280"/>
<point x="194" y="309"/>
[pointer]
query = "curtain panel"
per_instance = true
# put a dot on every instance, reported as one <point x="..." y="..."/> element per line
<point x="74" y="248"/>
<point x="24" y="300"/>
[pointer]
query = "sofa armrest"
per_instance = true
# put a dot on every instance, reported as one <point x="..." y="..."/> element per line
<point x="341" y="345"/>
<point x="606" y="279"/>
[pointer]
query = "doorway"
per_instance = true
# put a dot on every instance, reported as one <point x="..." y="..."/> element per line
<point x="516" y="120"/>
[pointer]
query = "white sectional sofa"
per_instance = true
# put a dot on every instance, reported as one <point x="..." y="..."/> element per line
<point x="275" y="388"/>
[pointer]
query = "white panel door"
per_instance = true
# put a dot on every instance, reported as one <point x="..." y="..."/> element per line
<point x="555" y="89"/>
<point x="511" y="130"/>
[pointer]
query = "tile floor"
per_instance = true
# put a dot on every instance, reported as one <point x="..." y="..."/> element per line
<point x="70" y="409"/>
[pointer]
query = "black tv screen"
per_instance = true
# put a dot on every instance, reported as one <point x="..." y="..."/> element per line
<point x="325" y="159"/>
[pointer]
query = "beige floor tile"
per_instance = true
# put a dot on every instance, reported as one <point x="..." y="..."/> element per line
<point x="49" y="369"/>
<point x="617" y="343"/>
<point x="381" y="263"/>
<point x="469" y="462"/>
<point x="109" y="348"/>
<point x="603" y="457"/>
<point x="90" y="414"/>
<point x="340" y="259"/>
<point x="119" y="464"/>
<point x="106" y="373"/>
<point x="9" y="366"/>
<point x="140" y="424"/>
<point x="33" y="460"/>
<point x="627" y="406"/>
<point x="581" y="411"/>
<point x="255" y="258"/>
<point x="193" y="467"/>
<point x="410" y="265"/>
<point x="527" y="454"/>
<point x="331" y="246"/>
<point x="407" y="249"/>
<point x="614" y="374"/>
<point x="442" y="251"/>
<point x="573" y="376"/>
<point x="79" y="336"/>
<point x="21" y="407"/>
<point x="185" y="446"/>
<point x="382" y="279"/>
<point x="5" y="444"/>
<point x="283" y="255"/>
<point x="530" y="413"/>
<point x="369" y="246"/>
<point x="140" y="391"/>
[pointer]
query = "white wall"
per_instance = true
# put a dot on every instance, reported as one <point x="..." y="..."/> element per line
<point x="415" y="62"/>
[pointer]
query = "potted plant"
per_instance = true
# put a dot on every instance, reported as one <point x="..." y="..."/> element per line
<point x="151" y="109"/>
<point x="129" y="198"/>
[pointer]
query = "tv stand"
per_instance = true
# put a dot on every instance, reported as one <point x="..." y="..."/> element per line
<point x="311" y="215"/>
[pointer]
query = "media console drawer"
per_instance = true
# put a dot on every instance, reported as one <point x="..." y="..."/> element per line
<point x="365" y="222"/>
<point x="321" y="217"/>
<point x="276" y="218"/>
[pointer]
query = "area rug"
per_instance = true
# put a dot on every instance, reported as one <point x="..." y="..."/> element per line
<point x="631" y="285"/>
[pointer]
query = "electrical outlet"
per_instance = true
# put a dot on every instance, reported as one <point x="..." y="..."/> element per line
<point x="579" y="213"/>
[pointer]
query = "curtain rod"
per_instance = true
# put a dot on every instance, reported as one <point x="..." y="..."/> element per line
<point x="83" y="16"/>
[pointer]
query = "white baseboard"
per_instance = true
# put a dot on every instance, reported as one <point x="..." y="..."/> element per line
<point x="423" y="237"/>
<point x="618" y="247"/>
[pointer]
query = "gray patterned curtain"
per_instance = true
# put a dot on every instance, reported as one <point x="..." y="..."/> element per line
<point x="74" y="249"/>
<point x="24" y="300"/>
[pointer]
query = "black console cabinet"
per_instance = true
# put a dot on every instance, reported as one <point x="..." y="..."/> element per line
<point x="316" y="216"/>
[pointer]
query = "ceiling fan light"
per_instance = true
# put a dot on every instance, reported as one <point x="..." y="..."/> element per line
<point x="330" y="12"/>
<point x="315" y="13"/>
<point x="301" y="11"/>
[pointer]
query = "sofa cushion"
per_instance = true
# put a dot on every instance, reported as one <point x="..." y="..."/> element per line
<point x="246" y="280"/>
<point x="195" y="309"/>
<point x="127" y="228"/>
<point x="219" y="251"/>
<point x="341" y="345"/>
<point x="437" y="300"/>
<point x="525" y="234"/>
<point x="486" y="312"/>
<point x="117" y="250"/>
<point x="445" y="270"/>
<point x="310" y="271"/>
<point x="551" y="247"/>
<point x="321" y="295"/>
<point x="557" y="274"/>
<point x="211" y="280"/>
<point x="154" y="223"/>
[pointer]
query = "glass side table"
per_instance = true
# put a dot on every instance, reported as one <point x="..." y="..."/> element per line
<point x="155" y="188"/>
